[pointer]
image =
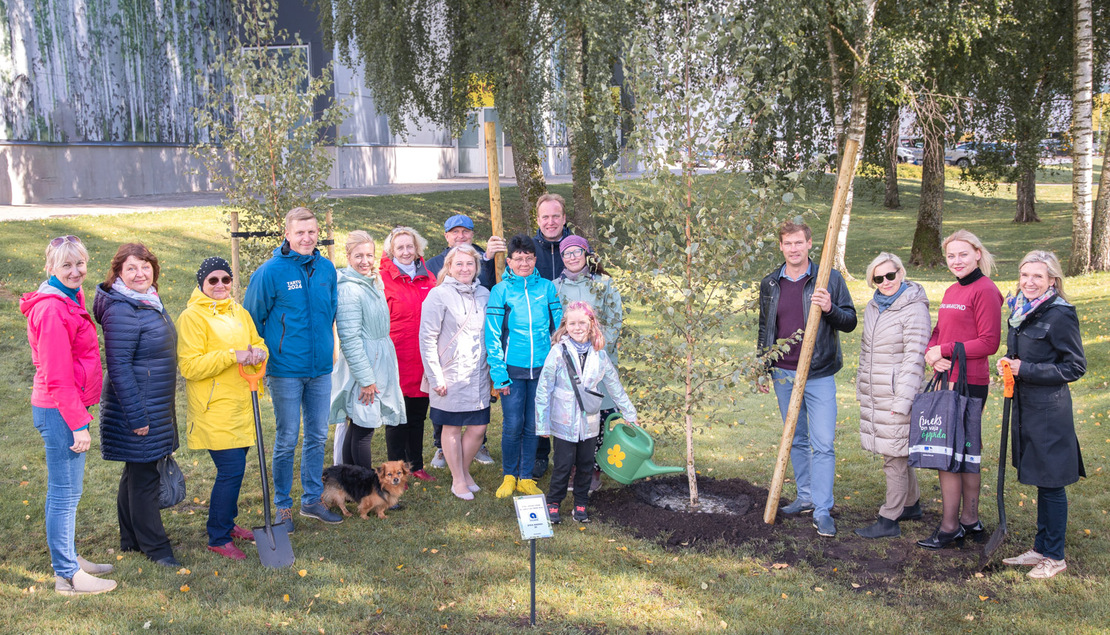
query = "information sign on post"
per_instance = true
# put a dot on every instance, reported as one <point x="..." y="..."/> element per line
<point x="531" y="515"/>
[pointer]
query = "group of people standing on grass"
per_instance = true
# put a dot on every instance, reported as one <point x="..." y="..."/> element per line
<point x="1043" y="349"/>
<point x="412" y="336"/>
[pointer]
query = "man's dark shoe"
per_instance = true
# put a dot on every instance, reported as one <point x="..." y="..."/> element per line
<point x="318" y="511"/>
<point x="912" y="512"/>
<point x="797" y="507"/>
<point x="825" y="526"/>
<point x="539" y="468"/>
<point x="883" y="528"/>
<point x="285" y="517"/>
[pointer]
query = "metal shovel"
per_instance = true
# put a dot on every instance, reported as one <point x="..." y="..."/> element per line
<point x="274" y="549"/>
<point x="1000" y="532"/>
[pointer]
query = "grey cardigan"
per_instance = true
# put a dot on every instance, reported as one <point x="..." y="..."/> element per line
<point x="453" y="346"/>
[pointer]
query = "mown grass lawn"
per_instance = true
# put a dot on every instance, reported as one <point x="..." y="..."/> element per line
<point x="442" y="565"/>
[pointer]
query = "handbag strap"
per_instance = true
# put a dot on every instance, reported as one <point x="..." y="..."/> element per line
<point x="574" y="381"/>
<point x="959" y="358"/>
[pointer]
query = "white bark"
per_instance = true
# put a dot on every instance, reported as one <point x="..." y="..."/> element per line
<point x="1082" y="146"/>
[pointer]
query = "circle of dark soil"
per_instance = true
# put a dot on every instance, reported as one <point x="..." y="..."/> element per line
<point x="734" y="519"/>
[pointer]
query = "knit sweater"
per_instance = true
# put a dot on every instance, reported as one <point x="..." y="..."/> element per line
<point x="971" y="312"/>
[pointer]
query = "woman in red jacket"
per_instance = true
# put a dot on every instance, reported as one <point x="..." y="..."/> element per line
<point x="68" y="379"/>
<point x="407" y="282"/>
<point x="971" y="313"/>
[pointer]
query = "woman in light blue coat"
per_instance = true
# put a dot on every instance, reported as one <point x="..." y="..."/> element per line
<point x="366" y="386"/>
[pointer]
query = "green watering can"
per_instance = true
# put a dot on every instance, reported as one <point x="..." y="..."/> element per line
<point x="626" y="453"/>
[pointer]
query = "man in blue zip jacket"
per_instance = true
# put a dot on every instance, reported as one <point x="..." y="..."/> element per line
<point x="292" y="299"/>
<point x="523" y="311"/>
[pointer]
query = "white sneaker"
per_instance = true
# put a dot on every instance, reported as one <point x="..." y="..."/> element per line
<point x="82" y="584"/>
<point x="1029" y="558"/>
<point x="483" y="456"/>
<point x="1047" y="568"/>
<point x="438" y="461"/>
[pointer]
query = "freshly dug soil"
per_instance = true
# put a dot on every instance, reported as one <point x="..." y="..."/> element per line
<point x="731" y="516"/>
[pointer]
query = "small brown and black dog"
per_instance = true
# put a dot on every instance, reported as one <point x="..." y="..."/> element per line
<point x="376" y="490"/>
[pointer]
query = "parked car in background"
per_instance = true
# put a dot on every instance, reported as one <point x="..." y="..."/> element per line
<point x="905" y="155"/>
<point x="912" y="149"/>
<point x="962" y="155"/>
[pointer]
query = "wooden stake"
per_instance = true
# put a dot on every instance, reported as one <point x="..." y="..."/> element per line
<point x="235" y="256"/>
<point x="809" y="340"/>
<point x="493" y="170"/>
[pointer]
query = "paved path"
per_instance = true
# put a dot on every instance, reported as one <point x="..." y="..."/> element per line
<point x="158" y="203"/>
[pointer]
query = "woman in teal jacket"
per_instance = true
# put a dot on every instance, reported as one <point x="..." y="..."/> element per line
<point x="366" y="386"/>
<point x="523" y="311"/>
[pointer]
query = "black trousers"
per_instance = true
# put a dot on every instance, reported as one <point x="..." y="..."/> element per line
<point x="569" y="454"/>
<point x="356" y="451"/>
<point x="140" y="518"/>
<point x="406" y="442"/>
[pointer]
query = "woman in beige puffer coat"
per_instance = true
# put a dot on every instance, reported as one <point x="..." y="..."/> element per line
<point x="896" y="329"/>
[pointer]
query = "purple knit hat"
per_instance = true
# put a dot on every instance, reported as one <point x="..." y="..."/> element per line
<point x="574" y="241"/>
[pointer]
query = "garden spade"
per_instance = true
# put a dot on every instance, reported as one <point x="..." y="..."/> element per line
<point x="274" y="549"/>
<point x="1007" y="404"/>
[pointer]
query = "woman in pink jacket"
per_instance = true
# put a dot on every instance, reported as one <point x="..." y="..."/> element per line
<point x="68" y="380"/>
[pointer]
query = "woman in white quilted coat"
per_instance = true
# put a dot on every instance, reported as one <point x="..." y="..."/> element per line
<point x="896" y="328"/>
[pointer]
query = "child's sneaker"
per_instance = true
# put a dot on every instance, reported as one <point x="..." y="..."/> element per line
<point x="553" y="513"/>
<point x="580" y="514"/>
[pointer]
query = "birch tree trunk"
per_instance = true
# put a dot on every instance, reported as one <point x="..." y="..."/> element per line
<point x="579" y="135"/>
<point x="857" y="121"/>
<point x="891" y="200"/>
<point x="1081" y="140"/>
<point x="1100" y="224"/>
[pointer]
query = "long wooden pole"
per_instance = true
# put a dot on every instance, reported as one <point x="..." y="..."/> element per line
<point x="235" y="256"/>
<point x="809" y="340"/>
<point x="494" y="172"/>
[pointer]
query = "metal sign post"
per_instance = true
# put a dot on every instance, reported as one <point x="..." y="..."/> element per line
<point x="531" y="515"/>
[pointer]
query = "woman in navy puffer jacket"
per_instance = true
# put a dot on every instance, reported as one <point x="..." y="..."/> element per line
<point x="138" y="422"/>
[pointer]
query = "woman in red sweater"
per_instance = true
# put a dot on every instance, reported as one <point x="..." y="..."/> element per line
<point x="971" y="313"/>
<point x="407" y="283"/>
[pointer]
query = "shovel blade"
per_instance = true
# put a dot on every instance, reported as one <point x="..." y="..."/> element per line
<point x="274" y="548"/>
<point x="993" y="544"/>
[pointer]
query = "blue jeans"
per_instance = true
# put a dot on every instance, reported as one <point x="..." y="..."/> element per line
<point x="223" y="503"/>
<point x="1052" y="522"/>
<point x="812" y="452"/>
<point x="291" y="395"/>
<point x="518" y="429"/>
<point x="65" y="478"/>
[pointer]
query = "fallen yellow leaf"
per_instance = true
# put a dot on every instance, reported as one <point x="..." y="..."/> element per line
<point x="984" y="598"/>
<point x="184" y="588"/>
<point x="784" y="596"/>
<point x="302" y="573"/>
<point x="285" y="598"/>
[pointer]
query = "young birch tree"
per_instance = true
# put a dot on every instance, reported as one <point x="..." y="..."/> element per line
<point x="692" y="246"/>
<point x="268" y="156"/>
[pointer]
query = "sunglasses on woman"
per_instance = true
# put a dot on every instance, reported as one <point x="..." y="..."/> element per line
<point x="214" y="280"/>
<point x="60" y="240"/>
<point x="879" y="279"/>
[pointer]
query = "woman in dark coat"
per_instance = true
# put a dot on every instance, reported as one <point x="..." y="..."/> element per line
<point x="1045" y="352"/>
<point x="138" y="418"/>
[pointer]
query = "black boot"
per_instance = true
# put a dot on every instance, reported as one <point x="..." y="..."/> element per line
<point x="913" y="512"/>
<point x="883" y="528"/>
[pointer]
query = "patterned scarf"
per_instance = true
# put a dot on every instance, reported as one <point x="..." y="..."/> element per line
<point x="1021" y="306"/>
